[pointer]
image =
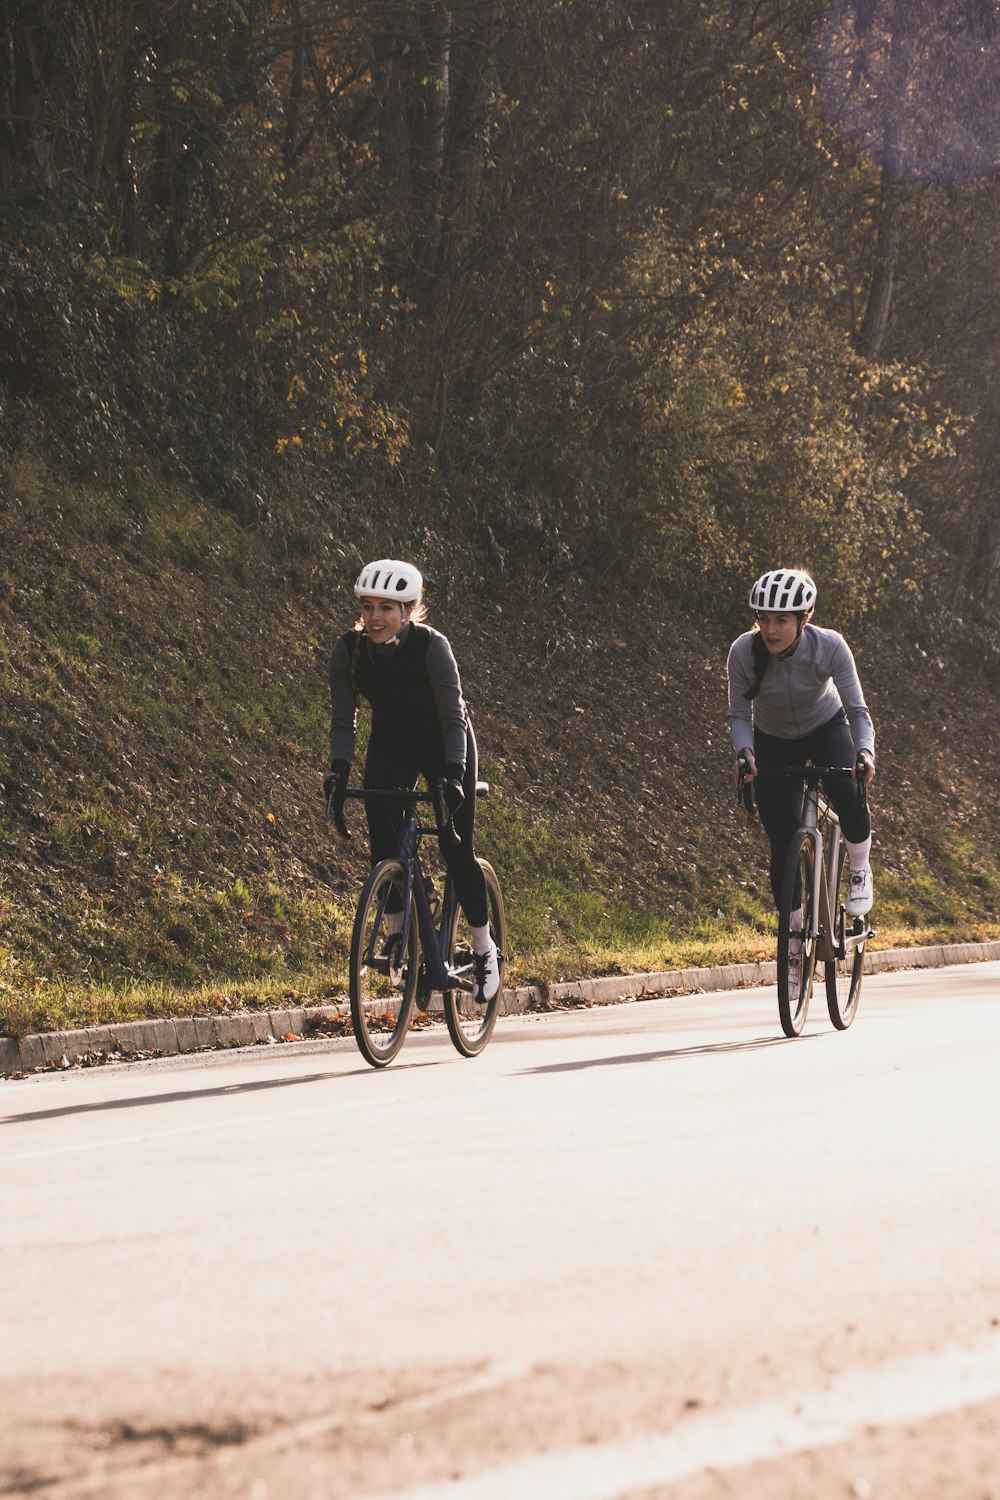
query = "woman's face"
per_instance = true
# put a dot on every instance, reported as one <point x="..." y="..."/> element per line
<point x="382" y="618"/>
<point x="779" y="630"/>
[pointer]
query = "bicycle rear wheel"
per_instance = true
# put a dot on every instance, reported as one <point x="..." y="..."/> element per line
<point x="383" y="980"/>
<point x="796" y="965"/>
<point x="844" y="975"/>
<point x="470" y="1026"/>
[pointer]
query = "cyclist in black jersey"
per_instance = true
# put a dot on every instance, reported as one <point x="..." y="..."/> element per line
<point x="420" y="726"/>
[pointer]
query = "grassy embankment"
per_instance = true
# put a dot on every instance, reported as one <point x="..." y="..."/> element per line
<point x="162" y="744"/>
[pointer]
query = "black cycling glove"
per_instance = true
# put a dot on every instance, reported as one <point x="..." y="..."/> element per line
<point x="451" y="788"/>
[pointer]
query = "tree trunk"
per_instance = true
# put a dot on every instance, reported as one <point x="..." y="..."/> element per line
<point x="871" y="335"/>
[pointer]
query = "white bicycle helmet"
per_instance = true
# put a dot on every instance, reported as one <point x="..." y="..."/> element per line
<point x="390" y="579"/>
<point x="784" y="591"/>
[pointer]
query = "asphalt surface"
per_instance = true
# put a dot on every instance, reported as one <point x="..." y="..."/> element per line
<point x="643" y="1249"/>
<point x="166" y="1036"/>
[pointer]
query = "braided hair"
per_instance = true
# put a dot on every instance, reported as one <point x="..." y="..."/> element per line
<point x="359" y="639"/>
<point x="760" y="656"/>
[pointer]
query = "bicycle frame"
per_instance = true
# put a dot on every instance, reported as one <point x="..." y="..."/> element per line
<point x="396" y="966"/>
<point x="434" y="933"/>
<point x="434" y="936"/>
<point x="814" y="869"/>
<point x="816" y="813"/>
<point x="829" y="929"/>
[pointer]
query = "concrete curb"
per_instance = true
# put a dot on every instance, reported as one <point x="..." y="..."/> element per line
<point x="129" y="1041"/>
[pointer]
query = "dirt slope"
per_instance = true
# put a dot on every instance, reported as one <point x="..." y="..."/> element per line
<point x="163" y="743"/>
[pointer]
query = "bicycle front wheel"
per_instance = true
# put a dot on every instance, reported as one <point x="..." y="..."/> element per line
<point x="844" y="975"/>
<point x="796" y="950"/>
<point x="383" y="978"/>
<point x="470" y="1026"/>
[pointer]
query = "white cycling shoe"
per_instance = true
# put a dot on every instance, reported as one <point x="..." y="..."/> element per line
<point x="861" y="893"/>
<point x="487" y="970"/>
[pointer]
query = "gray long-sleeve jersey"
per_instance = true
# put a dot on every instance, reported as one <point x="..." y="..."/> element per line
<point x="800" y="692"/>
<point x="445" y="685"/>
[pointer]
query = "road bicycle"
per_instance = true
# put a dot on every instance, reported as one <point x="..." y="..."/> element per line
<point x="410" y="942"/>
<point x="816" y="883"/>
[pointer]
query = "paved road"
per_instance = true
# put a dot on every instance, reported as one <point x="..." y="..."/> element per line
<point x="651" y="1249"/>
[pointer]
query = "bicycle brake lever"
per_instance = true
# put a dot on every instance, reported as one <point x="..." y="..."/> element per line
<point x="336" y="815"/>
<point x="744" y="788"/>
<point x="445" y="819"/>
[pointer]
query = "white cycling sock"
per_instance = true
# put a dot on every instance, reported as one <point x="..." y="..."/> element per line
<point x="393" y="921"/>
<point x="859" y="854"/>
<point x="481" y="939"/>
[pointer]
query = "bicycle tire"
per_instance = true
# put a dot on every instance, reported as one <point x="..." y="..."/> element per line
<point x="470" y="1026"/>
<point x="382" y="999"/>
<point x="798" y="889"/>
<point x="844" y="976"/>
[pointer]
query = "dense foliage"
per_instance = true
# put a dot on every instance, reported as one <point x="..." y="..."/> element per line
<point x="645" y="275"/>
<point x="557" y="294"/>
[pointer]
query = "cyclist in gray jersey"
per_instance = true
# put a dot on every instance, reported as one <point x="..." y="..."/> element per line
<point x="420" y="726"/>
<point x="794" y="695"/>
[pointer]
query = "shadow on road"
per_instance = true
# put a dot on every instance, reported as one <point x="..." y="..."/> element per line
<point x="661" y="1056"/>
<point x="219" y="1092"/>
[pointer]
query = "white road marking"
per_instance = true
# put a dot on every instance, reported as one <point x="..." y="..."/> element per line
<point x="908" y="1390"/>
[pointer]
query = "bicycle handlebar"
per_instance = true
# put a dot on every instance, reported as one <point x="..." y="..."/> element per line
<point x="337" y="813"/>
<point x="809" y="772"/>
<point x="744" y="787"/>
<point x="404" y="794"/>
<point x="409" y="796"/>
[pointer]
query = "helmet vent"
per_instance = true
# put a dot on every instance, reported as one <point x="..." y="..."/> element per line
<point x="784" y="589"/>
<point x="388" y="578"/>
